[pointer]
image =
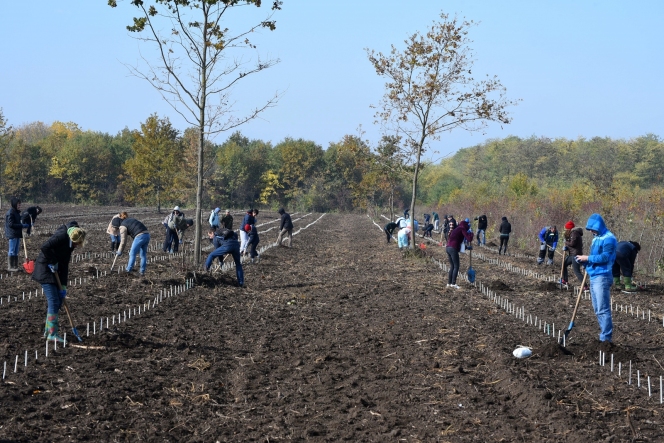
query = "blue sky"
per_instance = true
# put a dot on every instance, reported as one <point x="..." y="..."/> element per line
<point x="581" y="69"/>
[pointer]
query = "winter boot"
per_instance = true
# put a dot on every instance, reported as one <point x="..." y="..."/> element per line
<point x="52" y="325"/>
<point x="549" y="262"/>
<point x="46" y="327"/>
<point x="540" y="261"/>
<point x="628" y="284"/>
<point x="616" y="281"/>
<point x="13" y="263"/>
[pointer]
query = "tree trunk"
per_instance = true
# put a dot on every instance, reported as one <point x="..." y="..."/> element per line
<point x="412" y="201"/>
<point x="198" y="233"/>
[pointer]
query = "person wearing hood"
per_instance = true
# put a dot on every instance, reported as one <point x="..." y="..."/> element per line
<point x="599" y="264"/>
<point x="626" y="252"/>
<point x="14" y="233"/>
<point x="29" y="216"/>
<point x="574" y="244"/>
<point x="548" y="238"/>
<point x="403" y="237"/>
<point x="456" y="238"/>
<point x="214" y="218"/>
<point x="54" y="257"/>
<point x="114" y="229"/>
<point x="504" y="230"/>
<point x="285" y="227"/>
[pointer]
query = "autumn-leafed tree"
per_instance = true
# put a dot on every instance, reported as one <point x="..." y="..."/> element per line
<point x="25" y="172"/>
<point x="430" y="89"/>
<point x="157" y="161"/>
<point x="296" y="161"/>
<point x="199" y="62"/>
<point x="6" y="134"/>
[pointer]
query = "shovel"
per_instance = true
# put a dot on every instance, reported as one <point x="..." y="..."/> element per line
<point x="29" y="265"/>
<point x="562" y="267"/>
<point x="64" y="303"/>
<point x="471" y="271"/>
<point x="578" y="299"/>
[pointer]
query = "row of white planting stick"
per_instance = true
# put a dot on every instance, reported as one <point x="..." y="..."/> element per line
<point x="550" y="328"/>
<point x="4" y="301"/>
<point x="121" y="318"/>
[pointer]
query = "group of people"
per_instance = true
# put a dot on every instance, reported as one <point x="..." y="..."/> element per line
<point x="607" y="260"/>
<point x="51" y="268"/>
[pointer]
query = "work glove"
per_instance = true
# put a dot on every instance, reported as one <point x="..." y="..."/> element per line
<point x="118" y="253"/>
<point x="26" y="225"/>
<point x="469" y="247"/>
<point x="63" y="293"/>
<point x="565" y="248"/>
<point x="181" y="241"/>
<point x="53" y="268"/>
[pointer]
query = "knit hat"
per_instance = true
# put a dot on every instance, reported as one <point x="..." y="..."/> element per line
<point x="76" y="235"/>
<point x="228" y="211"/>
<point x="504" y="219"/>
<point x="177" y="208"/>
<point x="467" y="220"/>
<point x="569" y="225"/>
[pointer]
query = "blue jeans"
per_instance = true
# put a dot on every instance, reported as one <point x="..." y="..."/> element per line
<point x="52" y="298"/>
<point x="483" y="232"/>
<point x="140" y="244"/>
<point x="14" y="244"/>
<point x="600" y="293"/>
<point x="115" y="239"/>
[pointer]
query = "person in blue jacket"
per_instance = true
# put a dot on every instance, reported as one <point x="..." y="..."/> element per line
<point x="626" y="252"/>
<point x="548" y="238"/>
<point x="599" y="264"/>
<point x="225" y="242"/>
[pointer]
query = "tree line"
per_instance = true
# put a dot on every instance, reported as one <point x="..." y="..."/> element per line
<point x="154" y="165"/>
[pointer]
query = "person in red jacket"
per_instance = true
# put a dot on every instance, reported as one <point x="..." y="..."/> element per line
<point x="454" y="243"/>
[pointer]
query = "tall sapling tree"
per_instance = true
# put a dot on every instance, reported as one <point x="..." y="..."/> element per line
<point x="430" y="90"/>
<point x="197" y="69"/>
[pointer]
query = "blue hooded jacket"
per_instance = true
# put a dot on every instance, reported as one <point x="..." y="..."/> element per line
<point x="602" y="250"/>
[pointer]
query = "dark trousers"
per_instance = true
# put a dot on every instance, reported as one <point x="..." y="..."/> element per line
<point x="543" y="252"/>
<point x="253" y="242"/>
<point x="172" y="241"/>
<point x="504" y="239"/>
<point x="388" y="234"/>
<point x="453" y="255"/>
<point x="622" y="265"/>
<point x="575" y="267"/>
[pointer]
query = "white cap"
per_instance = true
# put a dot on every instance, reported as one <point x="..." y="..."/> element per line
<point x="177" y="208"/>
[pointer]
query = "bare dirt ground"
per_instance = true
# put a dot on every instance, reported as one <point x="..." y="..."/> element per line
<point x="341" y="338"/>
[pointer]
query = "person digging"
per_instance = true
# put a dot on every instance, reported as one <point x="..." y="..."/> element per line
<point x="225" y="242"/>
<point x="548" y="238"/>
<point x="626" y="252"/>
<point x="54" y="257"/>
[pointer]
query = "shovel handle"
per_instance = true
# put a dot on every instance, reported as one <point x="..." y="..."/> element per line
<point x="578" y="298"/>
<point x="116" y="257"/>
<point x="64" y="304"/>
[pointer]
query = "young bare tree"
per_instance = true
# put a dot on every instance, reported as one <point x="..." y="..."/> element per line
<point x="430" y="89"/>
<point x="197" y="66"/>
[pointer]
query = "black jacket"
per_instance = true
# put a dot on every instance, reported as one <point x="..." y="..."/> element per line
<point x="481" y="222"/>
<point x="30" y="215"/>
<point x="13" y="225"/>
<point x="505" y="228"/>
<point x="132" y="227"/>
<point x="286" y="222"/>
<point x="56" y="250"/>
<point x="227" y="221"/>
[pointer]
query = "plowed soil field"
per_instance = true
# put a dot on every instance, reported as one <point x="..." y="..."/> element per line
<point x="341" y="338"/>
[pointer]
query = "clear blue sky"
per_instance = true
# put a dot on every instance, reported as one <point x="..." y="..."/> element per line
<point x="589" y="68"/>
